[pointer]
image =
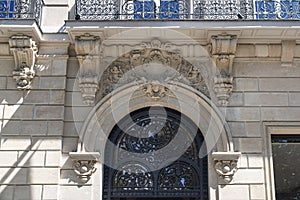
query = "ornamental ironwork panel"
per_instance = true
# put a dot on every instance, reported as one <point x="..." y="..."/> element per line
<point x="140" y="164"/>
<point x="21" y="9"/>
<point x="187" y="10"/>
<point x="271" y="10"/>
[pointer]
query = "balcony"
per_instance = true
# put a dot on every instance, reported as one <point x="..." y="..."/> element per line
<point x="21" y="9"/>
<point x="187" y="10"/>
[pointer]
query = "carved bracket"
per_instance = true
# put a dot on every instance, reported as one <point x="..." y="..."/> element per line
<point x="87" y="48"/>
<point x="223" y="48"/>
<point x="84" y="164"/>
<point x="226" y="164"/>
<point x="24" y="50"/>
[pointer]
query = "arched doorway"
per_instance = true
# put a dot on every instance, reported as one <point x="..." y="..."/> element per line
<point x="146" y="163"/>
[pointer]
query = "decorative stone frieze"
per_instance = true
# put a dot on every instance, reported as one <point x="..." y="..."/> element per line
<point x="24" y="50"/>
<point x="84" y="164"/>
<point x="88" y="54"/>
<point x="223" y="48"/>
<point x="226" y="164"/>
<point x="155" y="90"/>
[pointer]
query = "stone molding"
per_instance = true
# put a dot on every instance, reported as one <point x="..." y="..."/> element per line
<point x="87" y="48"/>
<point x="24" y="50"/>
<point x="84" y="164"/>
<point x="225" y="164"/>
<point x="223" y="49"/>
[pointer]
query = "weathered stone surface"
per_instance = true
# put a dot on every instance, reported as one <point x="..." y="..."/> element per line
<point x="50" y="192"/>
<point x="43" y="175"/>
<point x="280" y="113"/>
<point x="74" y="192"/>
<point x="266" y="99"/>
<point x="53" y="158"/>
<point x="15" y="143"/>
<point x="31" y="158"/>
<point x="245" y="84"/>
<point x="49" y="112"/>
<point x="242" y="114"/>
<point x="279" y="84"/>
<point x="46" y="143"/>
<point x="248" y="145"/>
<point x="8" y="158"/>
<point x="257" y="192"/>
<point x="33" y="192"/>
<point x="248" y="176"/>
<point x="234" y="192"/>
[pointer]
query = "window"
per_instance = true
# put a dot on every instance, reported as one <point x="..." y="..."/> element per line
<point x="144" y="167"/>
<point x="286" y="162"/>
<point x="7" y="8"/>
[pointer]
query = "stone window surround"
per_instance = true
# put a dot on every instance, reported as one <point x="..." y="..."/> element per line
<point x="274" y="128"/>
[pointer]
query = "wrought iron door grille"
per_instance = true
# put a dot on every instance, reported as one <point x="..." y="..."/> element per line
<point x="140" y="169"/>
<point x="21" y="9"/>
<point x="187" y="10"/>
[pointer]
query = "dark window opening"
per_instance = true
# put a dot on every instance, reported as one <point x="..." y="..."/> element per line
<point x="286" y="162"/>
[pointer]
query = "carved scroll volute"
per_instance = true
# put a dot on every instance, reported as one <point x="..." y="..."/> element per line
<point x="226" y="164"/>
<point x="88" y="54"/>
<point x="24" y="50"/>
<point x="223" y="49"/>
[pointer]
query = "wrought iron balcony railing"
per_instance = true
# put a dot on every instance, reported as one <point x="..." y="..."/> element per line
<point x="187" y="10"/>
<point x="21" y="9"/>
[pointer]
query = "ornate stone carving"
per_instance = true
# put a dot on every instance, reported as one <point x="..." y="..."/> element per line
<point x="84" y="169"/>
<point x="155" y="90"/>
<point x="84" y="164"/>
<point x="226" y="164"/>
<point x="88" y="54"/>
<point x="223" y="48"/>
<point x="157" y="44"/>
<point x="127" y="68"/>
<point x="223" y="88"/>
<point x="24" y="50"/>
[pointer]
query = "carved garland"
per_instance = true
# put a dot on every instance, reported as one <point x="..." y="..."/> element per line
<point x="24" y="50"/>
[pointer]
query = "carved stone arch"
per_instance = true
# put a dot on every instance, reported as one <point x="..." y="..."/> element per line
<point x="181" y="97"/>
<point x="135" y="66"/>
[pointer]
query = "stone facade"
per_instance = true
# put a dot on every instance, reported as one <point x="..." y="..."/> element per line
<point x="59" y="85"/>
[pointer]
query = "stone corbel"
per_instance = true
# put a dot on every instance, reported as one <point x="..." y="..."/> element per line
<point x="84" y="164"/>
<point x="24" y="50"/>
<point x="226" y="164"/>
<point x="87" y="48"/>
<point x="223" y="48"/>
